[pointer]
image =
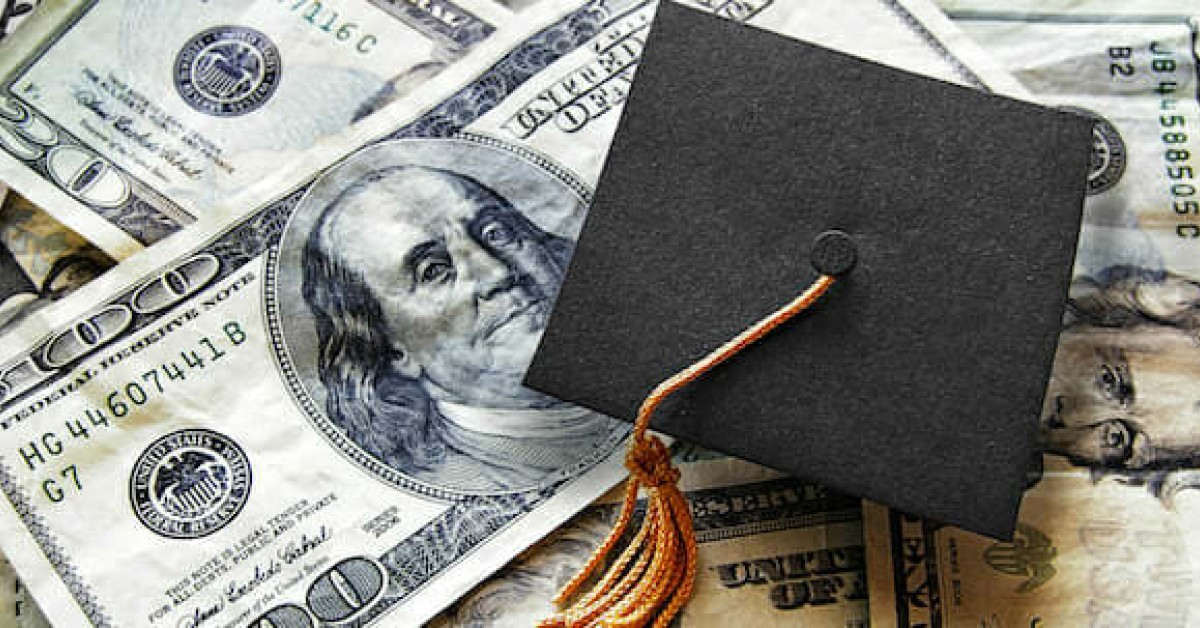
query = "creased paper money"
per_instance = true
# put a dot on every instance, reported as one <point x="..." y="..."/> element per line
<point x="1107" y="531"/>
<point x="13" y="13"/>
<point x="306" y="410"/>
<point x="130" y="119"/>
<point x="17" y="609"/>
<point x="774" y="551"/>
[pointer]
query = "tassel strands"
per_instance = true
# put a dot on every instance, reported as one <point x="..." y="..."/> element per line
<point x="654" y="576"/>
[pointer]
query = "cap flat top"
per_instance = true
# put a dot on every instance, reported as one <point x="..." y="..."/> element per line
<point x="917" y="380"/>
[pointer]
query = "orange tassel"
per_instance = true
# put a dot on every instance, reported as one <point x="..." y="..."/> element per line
<point x="654" y="577"/>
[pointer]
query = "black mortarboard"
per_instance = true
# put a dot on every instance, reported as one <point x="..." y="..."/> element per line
<point x="917" y="380"/>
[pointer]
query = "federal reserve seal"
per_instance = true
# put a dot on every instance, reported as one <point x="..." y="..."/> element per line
<point x="189" y="484"/>
<point x="227" y="71"/>
<point x="1108" y="153"/>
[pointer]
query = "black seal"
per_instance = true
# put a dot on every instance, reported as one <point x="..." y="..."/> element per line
<point x="1108" y="152"/>
<point x="189" y="483"/>
<point x="227" y="71"/>
<point x="834" y="253"/>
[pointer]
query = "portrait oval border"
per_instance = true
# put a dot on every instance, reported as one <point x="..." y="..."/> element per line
<point x="444" y="153"/>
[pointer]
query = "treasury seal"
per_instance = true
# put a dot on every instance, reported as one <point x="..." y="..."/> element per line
<point x="1108" y="153"/>
<point x="189" y="484"/>
<point x="227" y="71"/>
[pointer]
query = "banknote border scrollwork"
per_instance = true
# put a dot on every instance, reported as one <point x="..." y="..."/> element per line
<point x="136" y="215"/>
<point x="447" y="541"/>
<point x="240" y="243"/>
<point x="779" y="513"/>
<point x="1064" y="18"/>
<point x="455" y="38"/>
<point x="50" y="548"/>
<point x="789" y="523"/>
<point x="917" y="27"/>
<point x="564" y="176"/>
<point x="519" y="65"/>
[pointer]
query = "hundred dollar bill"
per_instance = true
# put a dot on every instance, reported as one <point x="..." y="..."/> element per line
<point x="16" y="609"/>
<point x="309" y="412"/>
<point x="1107" y="533"/>
<point x="1083" y="554"/>
<point x="131" y="118"/>
<point x="774" y="551"/>
<point x="40" y="261"/>
<point x="1136" y="75"/>
<point x="571" y="113"/>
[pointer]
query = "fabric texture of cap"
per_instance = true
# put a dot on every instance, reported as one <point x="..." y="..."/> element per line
<point x="918" y="379"/>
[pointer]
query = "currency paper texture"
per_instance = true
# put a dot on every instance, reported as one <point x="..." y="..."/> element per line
<point x="1041" y="9"/>
<point x="41" y="261"/>
<point x="34" y="247"/>
<point x="131" y="119"/>
<point x="306" y="410"/>
<point x="773" y="551"/>
<point x="1107" y="531"/>
<point x="17" y="609"/>
<point x="13" y="13"/>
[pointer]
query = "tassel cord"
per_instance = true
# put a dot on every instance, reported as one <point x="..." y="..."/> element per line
<point x="657" y="570"/>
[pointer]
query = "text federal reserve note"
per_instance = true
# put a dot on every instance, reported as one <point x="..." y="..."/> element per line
<point x="774" y="551"/>
<point x="130" y="119"/>
<point x="311" y="413"/>
<point x="1107" y="533"/>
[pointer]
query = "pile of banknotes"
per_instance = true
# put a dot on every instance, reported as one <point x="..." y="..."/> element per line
<point x="227" y="398"/>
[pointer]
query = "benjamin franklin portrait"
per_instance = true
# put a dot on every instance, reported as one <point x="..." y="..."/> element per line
<point x="427" y="289"/>
<point x="1123" y="400"/>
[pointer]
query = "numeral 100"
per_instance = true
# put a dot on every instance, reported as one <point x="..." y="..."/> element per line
<point x="101" y="327"/>
<point x="78" y="171"/>
<point x="340" y="594"/>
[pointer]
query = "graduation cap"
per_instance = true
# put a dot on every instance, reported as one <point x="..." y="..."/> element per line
<point x="746" y="166"/>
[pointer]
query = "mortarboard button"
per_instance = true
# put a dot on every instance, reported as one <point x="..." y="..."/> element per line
<point x="917" y="384"/>
<point x="834" y="253"/>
